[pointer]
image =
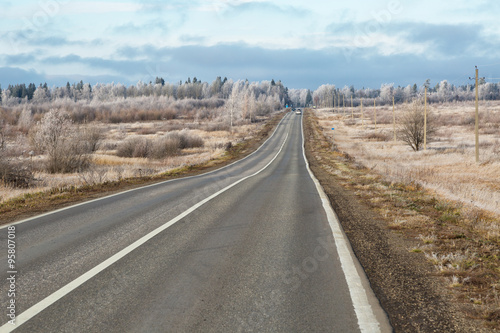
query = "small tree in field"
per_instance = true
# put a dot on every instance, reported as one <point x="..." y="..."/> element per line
<point x="411" y="128"/>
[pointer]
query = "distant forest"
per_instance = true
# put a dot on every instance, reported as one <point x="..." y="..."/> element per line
<point x="267" y="94"/>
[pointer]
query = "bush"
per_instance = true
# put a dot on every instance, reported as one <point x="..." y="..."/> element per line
<point x="134" y="147"/>
<point x="377" y="136"/>
<point x="165" y="146"/>
<point x="11" y="174"/>
<point x="411" y="126"/>
<point x="188" y="140"/>
<point x="67" y="148"/>
<point x="168" y="145"/>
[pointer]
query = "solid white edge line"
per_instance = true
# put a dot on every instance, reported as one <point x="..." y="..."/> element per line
<point x="367" y="320"/>
<point x="54" y="297"/>
<point x="142" y="187"/>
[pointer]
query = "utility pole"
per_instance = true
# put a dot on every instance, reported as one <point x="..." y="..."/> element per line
<point x="362" y="118"/>
<point x="425" y="120"/>
<point x="393" y="119"/>
<point x="352" y="109"/>
<point x="334" y="102"/>
<point x="375" y="111"/>
<point x="343" y="104"/>
<point x="476" y="127"/>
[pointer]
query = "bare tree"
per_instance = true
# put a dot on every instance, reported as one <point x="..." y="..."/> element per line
<point x="411" y="128"/>
<point x="67" y="148"/>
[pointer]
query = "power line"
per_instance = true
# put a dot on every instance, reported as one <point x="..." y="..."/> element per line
<point x="496" y="64"/>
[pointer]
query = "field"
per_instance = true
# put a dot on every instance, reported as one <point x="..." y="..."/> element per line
<point x="448" y="164"/>
<point x="212" y="141"/>
<point x="441" y="204"/>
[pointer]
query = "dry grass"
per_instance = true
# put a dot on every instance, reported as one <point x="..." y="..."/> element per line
<point x="107" y="166"/>
<point x="447" y="166"/>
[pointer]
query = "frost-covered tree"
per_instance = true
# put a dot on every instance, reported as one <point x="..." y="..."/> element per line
<point x="25" y="119"/>
<point x="488" y="91"/>
<point x="7" y="100"/>
<point x="443" y="91"/>
<point x="386" y="92"/>
<point x="41" y="95"/>
<point x="412" y="125"/>
<point x="324" y="95"/>
<point x="66" y="148"/>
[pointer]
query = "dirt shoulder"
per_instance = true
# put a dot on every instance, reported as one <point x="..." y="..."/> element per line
<point x="37" y="203"/>
<point x="415" y="298"/>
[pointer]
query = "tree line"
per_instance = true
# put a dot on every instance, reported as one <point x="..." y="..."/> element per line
<point x="190" y="89"/>
<point x="442" y="92"/>
<point x="264" y="95"/>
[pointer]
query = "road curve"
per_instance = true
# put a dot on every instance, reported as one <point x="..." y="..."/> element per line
<point x="249" y="247"/>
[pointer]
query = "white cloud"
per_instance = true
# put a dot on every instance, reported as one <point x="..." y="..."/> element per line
<point x="366" y="29"/>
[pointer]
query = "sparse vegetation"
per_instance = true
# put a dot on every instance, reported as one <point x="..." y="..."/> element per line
<point x="446" y="167"/>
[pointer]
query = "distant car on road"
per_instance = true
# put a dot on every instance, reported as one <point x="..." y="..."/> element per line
<point x="299" y="111"/>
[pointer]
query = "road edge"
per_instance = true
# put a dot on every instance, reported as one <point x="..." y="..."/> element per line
<point x="371" y="316"/>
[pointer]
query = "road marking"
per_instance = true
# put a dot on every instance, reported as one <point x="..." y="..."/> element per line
<point x="143" y="187"/>
<point x="367" y="320"/>
<point x="54" y="297"/>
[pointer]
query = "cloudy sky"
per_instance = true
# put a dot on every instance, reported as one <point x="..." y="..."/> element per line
<point x="302" y="43"/>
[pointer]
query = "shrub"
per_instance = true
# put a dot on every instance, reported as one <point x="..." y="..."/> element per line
<point x="11" y="174"/>
<point x="134" y="147"/>
<point x="92" y="136"/>
<point x="165" y="146"/>
<point x="67" y="148"/>
<point x="411" y="126"/>
<point x="377" y="136"/>
<point x="168" y="145"/>
<point x="188" y="140"/>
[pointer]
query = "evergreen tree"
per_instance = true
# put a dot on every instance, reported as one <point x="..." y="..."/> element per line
<point x="160" y="80"/>
<point x="309" y="98"/>
<point x="31" y="90"/>
<point x="216" y="87"/>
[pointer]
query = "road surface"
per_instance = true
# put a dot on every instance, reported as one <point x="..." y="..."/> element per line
<point x="251" y="247"/>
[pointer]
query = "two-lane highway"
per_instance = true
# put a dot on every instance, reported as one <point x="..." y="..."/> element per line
<point x="250" y="247"/>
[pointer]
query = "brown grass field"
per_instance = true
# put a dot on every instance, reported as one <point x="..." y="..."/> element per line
<point x="448" y="165"/>
<point x="106" y="166"/>
<point x="442" y="204"/>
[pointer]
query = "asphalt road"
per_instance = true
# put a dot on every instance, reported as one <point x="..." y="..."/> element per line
<point x="250" y="247"/>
